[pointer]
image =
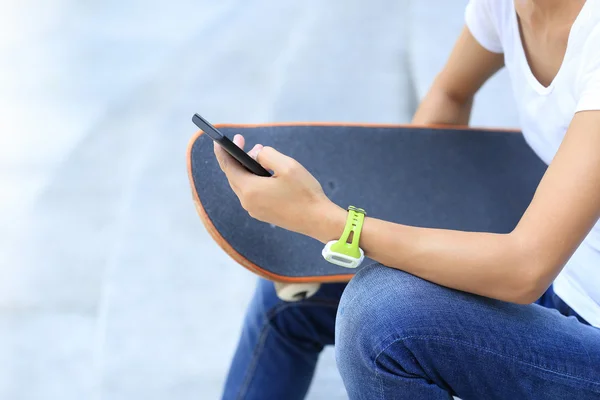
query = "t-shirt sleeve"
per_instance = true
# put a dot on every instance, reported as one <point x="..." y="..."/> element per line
<point x="479" y="17"/>
<point x="589" y="93"/>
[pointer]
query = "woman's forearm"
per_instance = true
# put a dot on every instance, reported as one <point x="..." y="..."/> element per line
<point x="491" y="265"/>
<point x="440" y="108"/>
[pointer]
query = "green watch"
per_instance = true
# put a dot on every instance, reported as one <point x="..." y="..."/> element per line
<point x="345" y="251"/>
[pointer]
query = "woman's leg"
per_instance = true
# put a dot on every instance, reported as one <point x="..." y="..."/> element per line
<point x="280" y="344"/>
<point x="401" y="337"/>
<point x="551" y="300"/>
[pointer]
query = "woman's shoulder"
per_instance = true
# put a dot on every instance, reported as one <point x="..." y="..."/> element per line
<point x="497" y="9"/>
<point x="492" y="16"/>
<point x="498" y="12"/>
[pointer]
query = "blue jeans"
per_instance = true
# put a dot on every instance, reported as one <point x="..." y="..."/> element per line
<point x="401" y="337"/>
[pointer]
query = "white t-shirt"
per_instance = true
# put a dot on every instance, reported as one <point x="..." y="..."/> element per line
<point x="545" y="114"/>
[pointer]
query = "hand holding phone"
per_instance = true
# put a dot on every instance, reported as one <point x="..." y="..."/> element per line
<point x="240" y="155"/>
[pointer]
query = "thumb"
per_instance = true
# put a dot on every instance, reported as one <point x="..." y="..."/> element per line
<point x="271" y="159"/>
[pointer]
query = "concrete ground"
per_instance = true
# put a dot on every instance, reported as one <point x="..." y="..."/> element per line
<point x="110" y="288"/>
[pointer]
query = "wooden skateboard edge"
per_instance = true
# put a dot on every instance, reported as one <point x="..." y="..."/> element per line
<point x="236" y="256"/>
<point x="367" y="125"/>
<point x="243" y="261"/>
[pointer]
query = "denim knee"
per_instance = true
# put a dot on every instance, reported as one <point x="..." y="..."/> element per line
<point x="381" y="306"/>
<point x="309" y="323"/>
<point x="268" y="310"/>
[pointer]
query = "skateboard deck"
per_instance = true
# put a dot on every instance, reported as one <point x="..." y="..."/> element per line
<point x="463" y="179"/>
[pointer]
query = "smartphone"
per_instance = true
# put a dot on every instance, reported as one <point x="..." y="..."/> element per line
<point x="248" y="162"/>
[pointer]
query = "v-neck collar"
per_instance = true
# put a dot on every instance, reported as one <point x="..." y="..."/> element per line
<point x="534" y="82"/>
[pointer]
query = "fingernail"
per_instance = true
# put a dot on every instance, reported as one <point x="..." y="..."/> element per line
<point x="255" y="150"/>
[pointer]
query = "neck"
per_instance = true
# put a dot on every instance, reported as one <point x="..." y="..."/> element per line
<point x="550" y="10"/>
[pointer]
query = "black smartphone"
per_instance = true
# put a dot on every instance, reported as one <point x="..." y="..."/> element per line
<point x="248" y="162"/>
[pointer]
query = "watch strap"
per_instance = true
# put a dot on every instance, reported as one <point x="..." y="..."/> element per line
<point x="352" y="230"/>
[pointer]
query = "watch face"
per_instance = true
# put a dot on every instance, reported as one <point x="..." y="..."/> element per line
<point x="341" y="259"/>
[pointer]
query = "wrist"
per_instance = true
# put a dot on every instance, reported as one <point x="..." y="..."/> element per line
<point x="329" y="221"/>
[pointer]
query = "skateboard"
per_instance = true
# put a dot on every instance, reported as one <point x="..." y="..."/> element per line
<point x="436" y="177"/>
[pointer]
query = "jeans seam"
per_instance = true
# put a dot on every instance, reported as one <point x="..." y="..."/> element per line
<point x="380" y="382"/>
<point x="444" y="339"/>
<point x="254" y="363"/>
<point x="273" y="312"/>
